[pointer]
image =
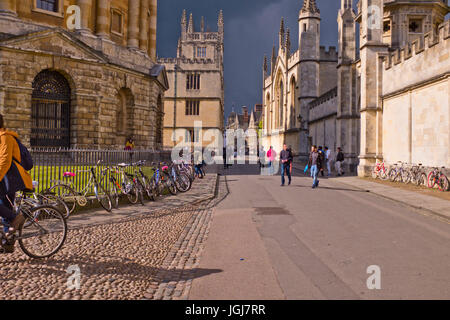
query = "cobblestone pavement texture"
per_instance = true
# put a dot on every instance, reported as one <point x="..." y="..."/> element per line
<point x="120" y="255"/>
<point x="174" y="279"/>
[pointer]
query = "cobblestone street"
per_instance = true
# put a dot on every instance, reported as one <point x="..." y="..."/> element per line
<point x="120" y="256"/>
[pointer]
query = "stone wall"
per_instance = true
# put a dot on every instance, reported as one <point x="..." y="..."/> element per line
<point x="94" y="88"/>
<point x="416" y="110"/>
<point x="322" y="120"/>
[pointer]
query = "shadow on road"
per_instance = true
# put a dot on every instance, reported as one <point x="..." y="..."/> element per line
<point x="337" y="189"/>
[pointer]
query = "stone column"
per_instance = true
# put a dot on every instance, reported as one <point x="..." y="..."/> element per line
<point x="103" y="18"/>
<point x="8" y="7"/>
<point x="153" y="23"/>
<point x="86" y="9"/>
<point x="143" y="32"/>
<point x="371" y="46"/>
<point x="133" y="23"/>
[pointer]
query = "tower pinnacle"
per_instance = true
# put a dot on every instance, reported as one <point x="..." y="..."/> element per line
<point x="310" y="6"/>
<point x="191" y="24"/>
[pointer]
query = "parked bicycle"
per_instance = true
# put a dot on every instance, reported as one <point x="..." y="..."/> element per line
<point x="437" y="178"/>
<point x="67" y="190"/>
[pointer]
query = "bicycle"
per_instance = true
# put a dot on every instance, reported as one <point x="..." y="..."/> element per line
<point x="380" y="170"/>
<point x="397" y="174"/>
<point x="42" y="234"/>
<point x="437" y="178"/>
<point x="67" y="191"/>
<point x="162" y="180"/>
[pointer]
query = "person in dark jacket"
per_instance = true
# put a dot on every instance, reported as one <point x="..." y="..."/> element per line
<point x="322" y="160"/>
<point x="339" y="161"/>
<point x="314" y="163"/>
<point x="286" y="160"/>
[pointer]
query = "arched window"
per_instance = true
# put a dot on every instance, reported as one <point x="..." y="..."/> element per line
<point x="50" y="110"/>
<point x="281" y="105"/>
<point x="292" y="107"/>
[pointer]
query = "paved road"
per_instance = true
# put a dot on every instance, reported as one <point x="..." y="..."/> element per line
<point x="298" y="243"/>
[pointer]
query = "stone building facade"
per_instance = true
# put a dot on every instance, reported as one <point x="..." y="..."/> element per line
<point x="90" y="87"/>
<point x="293" y="81"/>
<point x="196" y="94"/>
<point x="390" y="99"/>
<point x="246" y="121"/>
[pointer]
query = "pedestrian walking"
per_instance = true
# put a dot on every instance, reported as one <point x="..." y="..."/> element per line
<point x="322" y="158"/>
<point x="292" y="161"/>
<point x="13" y="178"/>
<point x="339" y="161"/>
<point x="271" y="154"/>
<point x="328" y="160"/>
<point x="286" y="160"/>
<point x="314" y="163"/>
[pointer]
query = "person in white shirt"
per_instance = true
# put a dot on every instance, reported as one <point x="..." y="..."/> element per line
<point x="328" y="160"/>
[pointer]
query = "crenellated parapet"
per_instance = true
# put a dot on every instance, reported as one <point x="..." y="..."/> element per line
<point x="328" y="55"/>
<point x="418" y="46"/>
<point x="185" y="61"/>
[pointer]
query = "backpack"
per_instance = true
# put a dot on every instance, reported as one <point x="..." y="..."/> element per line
<point x="25" y="157"/>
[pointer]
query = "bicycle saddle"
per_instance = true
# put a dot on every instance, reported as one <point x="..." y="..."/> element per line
<point x="69" y="175"/>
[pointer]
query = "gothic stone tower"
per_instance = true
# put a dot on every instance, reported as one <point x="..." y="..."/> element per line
<point x="309" y="48"/>
<point x="196" y="81"/>
<point x="348" y="116"/>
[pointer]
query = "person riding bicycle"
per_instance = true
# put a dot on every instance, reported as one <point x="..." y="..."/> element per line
<point x="13" y="177"/>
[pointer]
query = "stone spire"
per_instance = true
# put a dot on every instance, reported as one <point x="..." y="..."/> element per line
<point x="274" y="60"/>
<point x="310" y="6"/>
<point x="191" y="24"/>
<point x="281" y="34"/>
<point x="265" y="65"/>
<point x="183" y="22"/>
<point x="202" y="25"/>
<point x="288" y="42"/>
<point x="220" y="22"/>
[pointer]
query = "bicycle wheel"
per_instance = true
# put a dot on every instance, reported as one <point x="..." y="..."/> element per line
<point x="405" y="177"/>
<point x="375" y="172"/>
<point x="140" y="191"/>
<point x="431" y="180"/>
<point x="114" y="194"/>
<point x="66" y="194"/>
<point x="183" y="183"/>
<point x="443" y="183"/>
<point x="154" y="189"/>
<point x="131" y="192"/>
<point x="170" y="184"/>
<point x="54" y="201"/>
<point x="43" y="233"/>
<point x="421" y="179"/>
<point x="103" y="197"/>
<point x="393" y="175"/>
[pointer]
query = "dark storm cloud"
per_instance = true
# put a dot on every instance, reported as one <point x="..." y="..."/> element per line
<point x="251" y="29"/>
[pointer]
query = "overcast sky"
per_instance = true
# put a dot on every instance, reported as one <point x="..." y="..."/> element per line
<point x="251" y="29"/>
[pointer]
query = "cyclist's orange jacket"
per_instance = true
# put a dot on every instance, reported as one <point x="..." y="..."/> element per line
<point x="9" y="149"/>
